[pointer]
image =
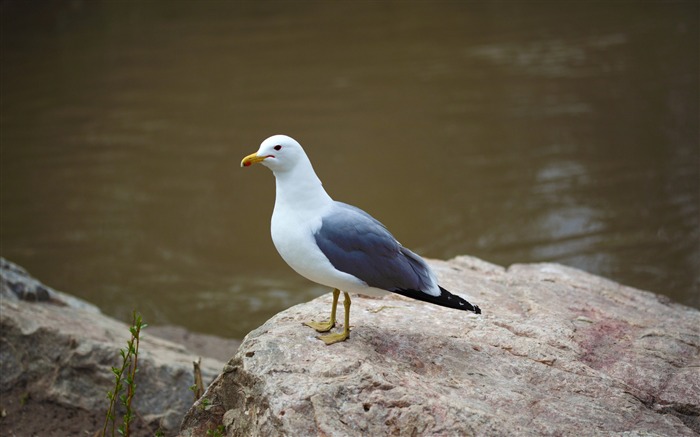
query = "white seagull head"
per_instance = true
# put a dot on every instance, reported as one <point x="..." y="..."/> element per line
<point x="279" y="153"/>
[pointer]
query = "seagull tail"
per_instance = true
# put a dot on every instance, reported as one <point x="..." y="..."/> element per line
<point x="445" y="299"/>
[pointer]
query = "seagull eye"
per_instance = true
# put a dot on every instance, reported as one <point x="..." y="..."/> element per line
<point x="278" y="147"/>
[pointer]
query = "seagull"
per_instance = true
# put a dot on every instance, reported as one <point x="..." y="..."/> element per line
<point x="338" y="245"/>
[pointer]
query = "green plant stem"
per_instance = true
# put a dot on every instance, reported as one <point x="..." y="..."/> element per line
<point x="132" y="380"/>
<point x="130" y="366"/>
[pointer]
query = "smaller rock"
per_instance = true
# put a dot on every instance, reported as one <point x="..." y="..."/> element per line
<point x="60" y="350"/>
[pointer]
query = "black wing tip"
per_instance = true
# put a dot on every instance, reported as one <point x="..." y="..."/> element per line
<point x="463" y="304"/>
<point x="446" y="299"/>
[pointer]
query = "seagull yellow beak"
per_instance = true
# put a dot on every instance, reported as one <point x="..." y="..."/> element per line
<point x="251" y="159"/>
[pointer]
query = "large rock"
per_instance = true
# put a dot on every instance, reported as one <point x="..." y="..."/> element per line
<point x="556" y="352"/>
<point x="58" y="349"/>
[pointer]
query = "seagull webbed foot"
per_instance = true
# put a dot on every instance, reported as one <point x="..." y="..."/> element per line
<point x="326" y="326"/>
<point x="335" y="338"/>
<point x="321" y="326"/>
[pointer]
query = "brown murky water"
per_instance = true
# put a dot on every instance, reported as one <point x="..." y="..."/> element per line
<point x="515" y="133"/>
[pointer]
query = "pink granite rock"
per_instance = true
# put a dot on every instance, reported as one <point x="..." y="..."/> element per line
<point x="556" y="351"/>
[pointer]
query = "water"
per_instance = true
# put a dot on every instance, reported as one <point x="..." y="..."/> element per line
<point x="511" y="132"/>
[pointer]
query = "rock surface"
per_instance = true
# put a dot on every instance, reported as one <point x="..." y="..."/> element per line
<point x="59" y="350"/>
<point x="556" y="351"/>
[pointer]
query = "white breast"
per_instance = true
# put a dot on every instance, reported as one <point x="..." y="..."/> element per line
<point x="293" y="236"/>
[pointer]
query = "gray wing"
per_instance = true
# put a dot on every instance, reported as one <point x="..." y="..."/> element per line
<point x="357" y="244"/>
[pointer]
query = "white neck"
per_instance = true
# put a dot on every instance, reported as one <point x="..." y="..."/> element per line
<point x="300" y="189"/>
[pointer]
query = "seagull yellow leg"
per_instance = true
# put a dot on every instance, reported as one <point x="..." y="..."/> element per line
<point x="326" y="326"/>
<point x="336" y="338"/>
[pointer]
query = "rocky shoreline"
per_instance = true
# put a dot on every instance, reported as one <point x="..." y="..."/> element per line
<point x="556" y="351"/>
